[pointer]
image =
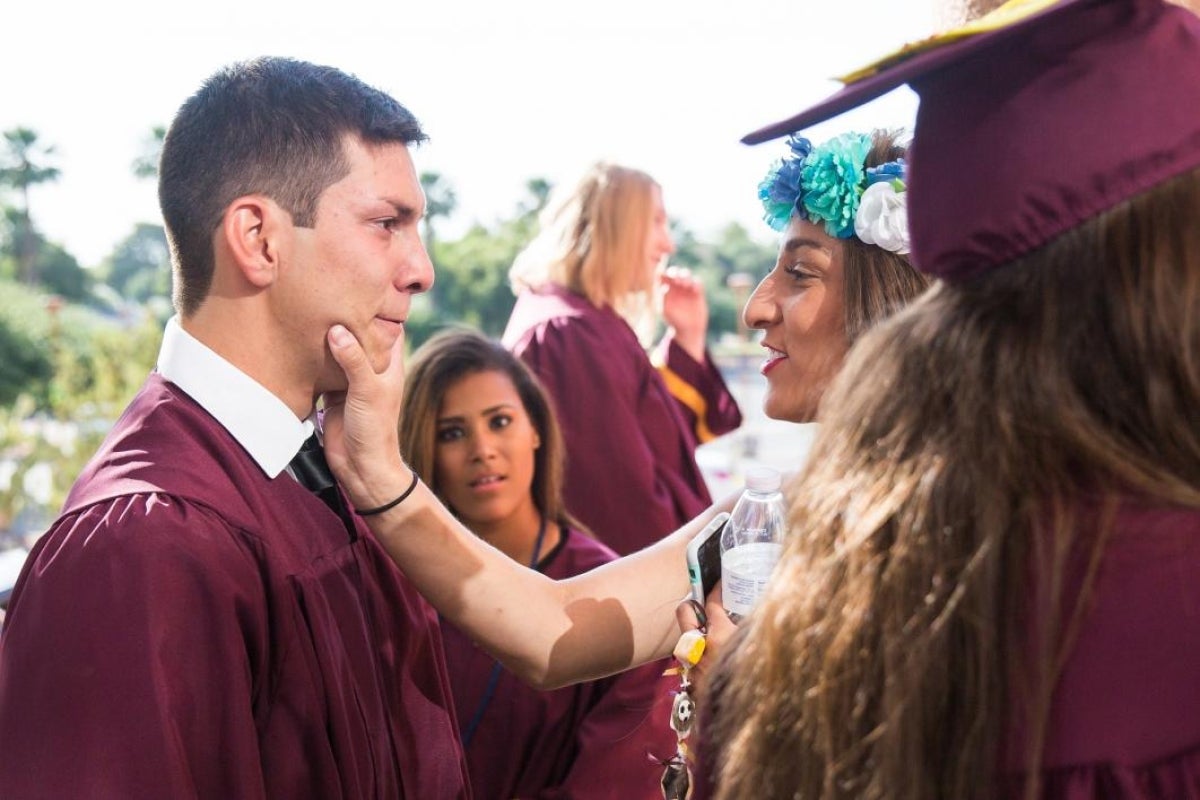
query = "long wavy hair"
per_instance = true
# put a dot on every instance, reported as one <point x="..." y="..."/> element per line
<point x="919" y="615"/>
<point x="592" y="241"/>
<point x="440" y="363"/>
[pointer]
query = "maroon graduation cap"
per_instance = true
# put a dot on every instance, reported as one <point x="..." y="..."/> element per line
<point x="1033" y="120"/>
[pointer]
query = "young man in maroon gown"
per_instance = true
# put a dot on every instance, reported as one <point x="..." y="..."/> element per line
<point x="197" y="623"/>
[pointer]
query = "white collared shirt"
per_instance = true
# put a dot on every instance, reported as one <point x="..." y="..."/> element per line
<point x="259" y="421"/>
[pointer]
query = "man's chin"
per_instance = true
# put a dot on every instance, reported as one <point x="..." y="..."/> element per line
<point x="332" y="379"/>
<point x="380" y="361"/>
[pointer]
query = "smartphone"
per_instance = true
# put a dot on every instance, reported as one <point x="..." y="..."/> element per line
<point x="704" y="558"/>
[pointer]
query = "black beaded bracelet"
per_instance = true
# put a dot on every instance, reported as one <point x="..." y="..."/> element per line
<point x="380" y="509"/>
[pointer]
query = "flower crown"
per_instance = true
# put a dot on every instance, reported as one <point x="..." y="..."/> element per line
<point x="830" y="184"/>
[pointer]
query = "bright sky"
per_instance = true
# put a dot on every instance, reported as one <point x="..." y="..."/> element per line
<point x="507" y="89"/>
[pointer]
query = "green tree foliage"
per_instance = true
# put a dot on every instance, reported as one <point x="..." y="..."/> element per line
<point x="537" y="195"/>
<point x="441" y="201"/>
<point x="58" y="271"/>
<point x="21" y="167"/>
<point x="25" y="358"/>
<point x="471" y="286"/>
<point x="472" y="282"/>
<point x="99" y="364"/>
<point x="139" y="267"/>
<point x="10" y="222"/>
<point x="81" y="368"/>
<point x="146" y="163"/>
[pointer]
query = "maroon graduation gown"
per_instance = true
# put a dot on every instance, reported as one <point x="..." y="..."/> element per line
<point x="591" y="741"/>
<point x="1125" y="714"/>
<point x="190" y="628"/>
<point x="631" y="446"/>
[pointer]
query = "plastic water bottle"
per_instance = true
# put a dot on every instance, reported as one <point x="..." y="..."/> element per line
<point x="752" y="542"/>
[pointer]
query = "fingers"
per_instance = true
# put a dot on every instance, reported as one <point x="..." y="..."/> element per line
<point x="720" y="627"/>
<point x="689" y="615"/>
<point x="679" y="278"/>
<point x="351" y="357"/>
<point x="360" y="422"/>
<point x="347" y="352"/>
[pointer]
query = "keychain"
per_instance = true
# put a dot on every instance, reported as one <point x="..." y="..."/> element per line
<point x="677" y="777"/>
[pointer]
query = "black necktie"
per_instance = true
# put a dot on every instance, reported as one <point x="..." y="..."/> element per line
<point x="312" y="471"/>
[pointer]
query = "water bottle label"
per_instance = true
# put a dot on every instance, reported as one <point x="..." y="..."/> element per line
<point x="744" y="573"/>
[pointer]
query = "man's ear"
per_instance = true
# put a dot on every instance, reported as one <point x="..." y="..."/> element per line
<point x="253" y="226"/>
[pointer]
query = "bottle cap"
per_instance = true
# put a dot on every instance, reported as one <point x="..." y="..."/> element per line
<point x="763" y="479"/>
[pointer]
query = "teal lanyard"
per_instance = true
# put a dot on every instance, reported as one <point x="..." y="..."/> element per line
<point x="494" y="678"/>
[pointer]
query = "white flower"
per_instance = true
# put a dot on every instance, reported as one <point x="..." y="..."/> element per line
<point x="882" y="218"/>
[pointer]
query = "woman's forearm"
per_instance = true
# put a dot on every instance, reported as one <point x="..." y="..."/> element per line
<point x="550" y="633"/>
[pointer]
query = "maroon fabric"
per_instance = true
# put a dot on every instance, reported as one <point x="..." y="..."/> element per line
<point x="631" y="454"/>
<point x="1026" y="132"/>
<point x="591" y="741"/>
<point x="190" y="628"/>
<point x="721" y="413"/>
<point x="1125" y="716"/>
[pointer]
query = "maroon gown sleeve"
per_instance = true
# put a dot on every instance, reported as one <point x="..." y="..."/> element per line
<point x="623" y="739"/>
<point x="139" y="595"/>
<point x="700" y="390"/>
<point x="631" y="468"/>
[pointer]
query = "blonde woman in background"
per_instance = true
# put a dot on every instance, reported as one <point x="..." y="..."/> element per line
<point x="588" y="283"/>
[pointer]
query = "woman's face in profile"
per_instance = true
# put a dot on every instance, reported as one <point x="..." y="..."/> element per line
<point x="659" y="244"/>
<point x="800" y="308"/>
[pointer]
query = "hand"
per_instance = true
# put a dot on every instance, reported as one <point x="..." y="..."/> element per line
<point x="360" y="425"/>
<point x="716" y="624"/>
<point x="681" y="300"/>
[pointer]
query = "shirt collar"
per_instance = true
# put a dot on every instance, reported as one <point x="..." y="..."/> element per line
<point x="259" y="421"/>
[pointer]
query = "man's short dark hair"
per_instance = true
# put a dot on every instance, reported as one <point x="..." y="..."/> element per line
<point x="271" y="126"/>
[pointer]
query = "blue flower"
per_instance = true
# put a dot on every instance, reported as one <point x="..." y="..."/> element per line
<point x="891" y="172"/>
<point x="779" y="191"/>
<point x="831" y="182"/>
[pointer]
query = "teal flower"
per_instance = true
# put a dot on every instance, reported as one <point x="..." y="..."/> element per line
<point x="832" y="180"/>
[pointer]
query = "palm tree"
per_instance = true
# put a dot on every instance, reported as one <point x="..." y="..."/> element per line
<point x="21" y="168"/>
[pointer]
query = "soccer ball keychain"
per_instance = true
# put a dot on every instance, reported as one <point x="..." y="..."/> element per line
<point x="677" y="777"/>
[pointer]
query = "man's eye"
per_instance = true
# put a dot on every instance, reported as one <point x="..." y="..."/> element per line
<point x="388" y="224"/>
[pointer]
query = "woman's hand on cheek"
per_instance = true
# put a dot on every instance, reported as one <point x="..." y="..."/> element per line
<point x="360" y="425"/>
